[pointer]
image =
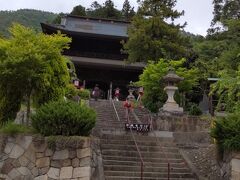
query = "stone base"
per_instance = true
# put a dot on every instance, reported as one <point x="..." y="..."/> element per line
<point x="172" y="107"/>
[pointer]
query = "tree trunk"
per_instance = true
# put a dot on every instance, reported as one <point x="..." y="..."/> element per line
<point x="28" y="107"/>
<point x="183" y="99"/>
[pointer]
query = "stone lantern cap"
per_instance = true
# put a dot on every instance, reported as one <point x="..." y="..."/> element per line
<point x="172" y="77"/>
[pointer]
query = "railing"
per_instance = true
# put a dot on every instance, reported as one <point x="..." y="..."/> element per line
<point x="135" y="142"/>
<point x="115" y="110"/>
<point x="157" y="140"/>
<point x="140" y="156"/>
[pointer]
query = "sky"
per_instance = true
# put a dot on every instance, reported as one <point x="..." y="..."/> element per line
<point x="198" y="13"/>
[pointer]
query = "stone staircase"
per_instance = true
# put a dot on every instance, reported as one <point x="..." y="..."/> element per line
<point x="119" y="154"/>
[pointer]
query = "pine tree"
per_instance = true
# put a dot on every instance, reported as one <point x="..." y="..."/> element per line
<point x="151" y="36"/>
<point x="110" y="10"/>
<point x="163" y="9"/>
<point x="127" y="11"/>
<point x="224" y="10"/>
<point x="107" y="10"/>
<point x="78" y="11"/>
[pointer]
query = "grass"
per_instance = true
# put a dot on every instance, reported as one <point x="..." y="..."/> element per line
<point x="12" y="128"/>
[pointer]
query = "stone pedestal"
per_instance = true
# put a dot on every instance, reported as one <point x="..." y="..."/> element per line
<point x="131" y="97"/>
<point x="171" y="105"/>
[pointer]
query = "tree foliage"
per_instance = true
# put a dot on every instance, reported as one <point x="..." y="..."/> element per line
<point x="79" y="11"/>
<point x="31" y="65"/>
<point x="10" y="103"/>
<point x="224" y="10"/>
<point x="107" y="10"/>
<point x="127" y="11"/>
<point x="151" y="36"/>
<point x="219" y="56"/>
<point x="57" y="20"/>
<point x="27" y="17"/>
<point x="152" y="81"/>
<point x="226" y="131"/>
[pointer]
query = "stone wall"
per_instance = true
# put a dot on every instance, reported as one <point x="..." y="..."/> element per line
<point x="180" y="123"/>
<point x="235" y="167"/>
<point x="203" y="161"/>
<point x="192" y="139"/>
<point x="39" y="158"/>
<point x="231" y="165"/>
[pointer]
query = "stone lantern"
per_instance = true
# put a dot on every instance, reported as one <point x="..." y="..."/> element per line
<point x="131" y="89"/>
<point x="171" y="79"/>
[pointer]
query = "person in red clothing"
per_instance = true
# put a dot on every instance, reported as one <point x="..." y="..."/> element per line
<point x="128" y="107"/>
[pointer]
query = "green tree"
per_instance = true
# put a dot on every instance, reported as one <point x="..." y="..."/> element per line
<point x="127" y="11"/>
<point x="110" y="11"/>
<point x="208" y="52"/>
<point x="219" y="56"/>
<point x="226" y="131"/>
<point x="10" y="102"/>
<point x="107" y="10"/>
<point x="224" y="10"/>
<point x="79" y="11"/>
<point x="151" y="36"/>
<point x="57" y="20"/>
<point x="152" y="81"/>
<point x="32" y="63"/>
<point x="27" y="17"/>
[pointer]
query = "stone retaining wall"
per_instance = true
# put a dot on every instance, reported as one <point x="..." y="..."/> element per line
<point x="180" y="123"/>
<point x="230" y="165"/>
<point x="235" y="167"/>
<point x="38" y="158"/>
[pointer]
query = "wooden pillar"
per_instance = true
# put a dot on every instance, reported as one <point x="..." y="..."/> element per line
<point x="110" y="90"/>
<point x="84" y="84"/>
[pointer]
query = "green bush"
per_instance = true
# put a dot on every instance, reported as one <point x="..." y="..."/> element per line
<point x="84" y="93"/>
<point x="195" y="110"/>
<point x="71" y="91"/>
<point x="64" y="118"/>
<point x="12" y="129"/>
<point x="226" y="131"/>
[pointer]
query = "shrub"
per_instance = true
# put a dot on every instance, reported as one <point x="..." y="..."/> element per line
<point x="64" y="118"/>
<point x="226" y="131"/>
<point x="195" y="110"/>
<point x="12" y="128"/>
<point x="84" y="93"/>
<point x="71" y="91"/>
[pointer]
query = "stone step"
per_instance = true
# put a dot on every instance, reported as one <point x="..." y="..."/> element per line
<point x="145" y="159"/>
<point x="127" y="153"/>
<point x="148" y="174"/>
<point x="141" y="148"/>
<point x="138" y="178"/>
<point x="120" y="157"/>
<point x="137" y="138"/>
<point x="161" y="163"/>
<point x="139" y="143"/>
<point x="146" y="169"/>
<point x="109" y="123"/>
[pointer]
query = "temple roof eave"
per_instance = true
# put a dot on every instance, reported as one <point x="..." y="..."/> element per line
<point x="50" y="29"/>
<point x="116" y="64"/>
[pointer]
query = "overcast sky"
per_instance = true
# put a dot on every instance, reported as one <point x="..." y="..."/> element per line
<point x="198" y="13"/>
